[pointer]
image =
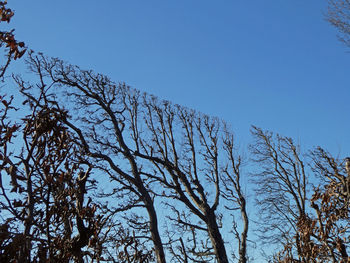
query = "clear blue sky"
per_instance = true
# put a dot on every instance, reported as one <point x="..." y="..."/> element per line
<point x="274" y="64"/>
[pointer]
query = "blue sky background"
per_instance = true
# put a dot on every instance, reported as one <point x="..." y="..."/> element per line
<point x="274" y="64"/>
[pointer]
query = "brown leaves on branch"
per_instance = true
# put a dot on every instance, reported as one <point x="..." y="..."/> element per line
<point x="5" y="13"/>
<point x="323" y="233"/>
<point x="14" y="49"/>
<point x="48" y="213"/>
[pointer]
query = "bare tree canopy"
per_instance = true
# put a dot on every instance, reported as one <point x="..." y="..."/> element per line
<point x="309" y="221"/>
<point x="112" y="174"/>
<point x="339" y="16"/>
<point x="281" y="186"/>
<point x="153" y="153"/>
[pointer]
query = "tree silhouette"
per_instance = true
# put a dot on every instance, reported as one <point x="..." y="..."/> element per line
<point x="153" y="153"/>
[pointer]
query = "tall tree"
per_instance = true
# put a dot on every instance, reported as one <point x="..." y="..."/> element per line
<point x="282" y="187"/>
<point x="154" y="152"/>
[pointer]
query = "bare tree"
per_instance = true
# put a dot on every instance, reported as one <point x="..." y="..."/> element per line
<point x="234" y="194"/>
<point x="178" y="162"/>
<point x="184" y="148"/>
<point x="100" y="132"/>
<point x="339" y="16"/>
<point x="154" y="152"/>
<point x="281" y="188"/>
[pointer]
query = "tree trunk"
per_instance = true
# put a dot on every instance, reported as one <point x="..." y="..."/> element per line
<point x="243" y="245"/>
<point x="216" y="238"/>
<point x="158" y="245"/>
